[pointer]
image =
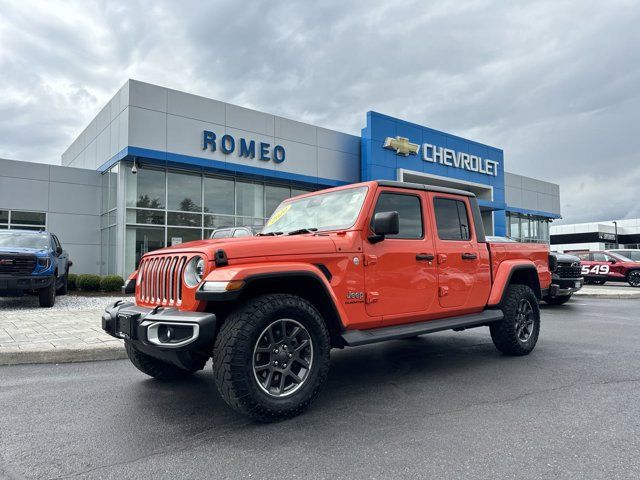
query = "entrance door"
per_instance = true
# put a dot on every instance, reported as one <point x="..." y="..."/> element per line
<point x="400" y="274"/>
<point x="457" y="251"/>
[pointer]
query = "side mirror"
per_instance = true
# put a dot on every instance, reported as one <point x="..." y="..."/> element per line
<point x="384" y="223"/>
<point x="58" y="250"/>
<point x="612" y="261"/>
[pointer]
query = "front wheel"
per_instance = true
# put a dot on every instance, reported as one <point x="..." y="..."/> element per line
<point x="557" y="300"/>
<point x="47" y="295"/>
<point x="271" y="357"/>
<point x="633" y="278"/>
<point x="517" y="333"/>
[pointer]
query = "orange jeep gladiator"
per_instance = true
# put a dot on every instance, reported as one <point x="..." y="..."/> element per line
<point x="346" y="266"/>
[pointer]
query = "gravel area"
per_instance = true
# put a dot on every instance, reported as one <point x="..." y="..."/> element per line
<point x="29" y="303"/>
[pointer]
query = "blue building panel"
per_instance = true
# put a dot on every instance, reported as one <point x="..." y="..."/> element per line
<point x="440" y="154"/>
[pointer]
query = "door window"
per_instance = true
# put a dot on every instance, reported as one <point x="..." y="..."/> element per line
<point x="409" y="212"/>
<point x="451" y="219"/>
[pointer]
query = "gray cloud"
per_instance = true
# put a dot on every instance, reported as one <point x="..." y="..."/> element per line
<point x="553" y="83"/>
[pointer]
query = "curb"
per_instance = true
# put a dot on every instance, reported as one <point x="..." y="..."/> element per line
<point x="62" y="355"/>
<point x="628" y="296"/>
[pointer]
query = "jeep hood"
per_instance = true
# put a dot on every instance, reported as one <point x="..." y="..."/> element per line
<point x="245" y="247"/>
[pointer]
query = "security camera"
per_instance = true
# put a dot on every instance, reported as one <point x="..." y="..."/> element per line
<point x="134" y="169"/>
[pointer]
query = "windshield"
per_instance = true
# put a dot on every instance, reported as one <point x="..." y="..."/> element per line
<point x="336" y="210"/>
<point x="24" y="240"/>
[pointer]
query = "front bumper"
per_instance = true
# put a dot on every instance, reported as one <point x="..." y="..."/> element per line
<point x="561" y="287"/>
<point x="167" y="334"/>
<point x="32" y="282"/>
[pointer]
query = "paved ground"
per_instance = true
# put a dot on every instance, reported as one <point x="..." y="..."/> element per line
<point x="70" y="331"/>
<point x="442" y="406"/>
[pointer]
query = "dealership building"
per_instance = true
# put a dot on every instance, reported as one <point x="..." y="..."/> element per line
<point x="604" y="235"/>
<point x="202" y="164"/>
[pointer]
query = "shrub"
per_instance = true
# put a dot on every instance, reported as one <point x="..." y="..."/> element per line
<point x="88" y="282"/>
<point x="72" y="279"/>
<point x="111" y="283"/>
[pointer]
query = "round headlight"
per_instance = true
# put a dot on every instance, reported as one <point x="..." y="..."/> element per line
<point x="194" y="272"/>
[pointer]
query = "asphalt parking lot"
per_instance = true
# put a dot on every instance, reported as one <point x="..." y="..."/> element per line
<point x="441" y="406"/>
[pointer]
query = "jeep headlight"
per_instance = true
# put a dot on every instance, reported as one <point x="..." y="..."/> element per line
<point x="194" y="272"/>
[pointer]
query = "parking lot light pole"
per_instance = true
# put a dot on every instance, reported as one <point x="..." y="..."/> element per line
<point x="615" y="224"/>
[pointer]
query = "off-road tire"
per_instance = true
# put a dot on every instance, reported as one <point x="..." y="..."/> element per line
<point x="233" y="357"/>
<point x="633" y="278"/>
<point x="65" y="284"/>
<point x="154" y="367"/>
<point x="47" y="295"/>
<point x="504" y="333"/>
<point x="557" y="300"/>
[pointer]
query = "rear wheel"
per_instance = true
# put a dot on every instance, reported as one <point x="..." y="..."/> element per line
<point x="271" y="357"/>
<point x="47" y="295"/>
<point x="154" y="367"/>
<point x="517" y="333"/>
<point x="557" y="300"/>
<point x="633" y="278"/>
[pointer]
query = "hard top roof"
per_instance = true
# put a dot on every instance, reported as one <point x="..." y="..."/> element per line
<point x="422" y="186"/>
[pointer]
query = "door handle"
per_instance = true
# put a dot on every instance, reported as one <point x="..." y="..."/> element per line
<point x="469" y="256"/>
<point x="425" y="256"/>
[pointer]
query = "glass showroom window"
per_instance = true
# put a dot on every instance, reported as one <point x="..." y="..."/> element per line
<point x="141" y="240"/>
<point x="249" y="203"/>
<point x="528" y="228"/>
<point x="219" y="203"/>
<point x="19" y="219"/>
<point x="146" y="199"/>
<point x="168" y="207"/>
<point x="272" y="197"/>
<point x="108" y="221"/>
<point x="184" y="195"/>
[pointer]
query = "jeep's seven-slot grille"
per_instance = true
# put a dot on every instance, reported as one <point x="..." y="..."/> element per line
<point x="17" y="264"/>
<point x="161" y="279"/>
<point x="566" y="270"/>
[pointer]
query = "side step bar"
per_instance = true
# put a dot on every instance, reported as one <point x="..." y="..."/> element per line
<point x="354" y="338"/>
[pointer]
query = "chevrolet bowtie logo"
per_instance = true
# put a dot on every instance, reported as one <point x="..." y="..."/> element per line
<point x="402" y="146"/>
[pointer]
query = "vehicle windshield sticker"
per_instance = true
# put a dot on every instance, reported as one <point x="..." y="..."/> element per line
<point x="278" y="215"/>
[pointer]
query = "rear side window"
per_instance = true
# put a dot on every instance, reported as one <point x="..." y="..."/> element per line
<point x="599" y="257"/>
<point x="222" y="234"/>
<point x="409" y="213"/>
<point x="452" y="219"/>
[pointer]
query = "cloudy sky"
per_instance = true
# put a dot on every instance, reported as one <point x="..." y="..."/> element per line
<point x="556" y="84"/>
